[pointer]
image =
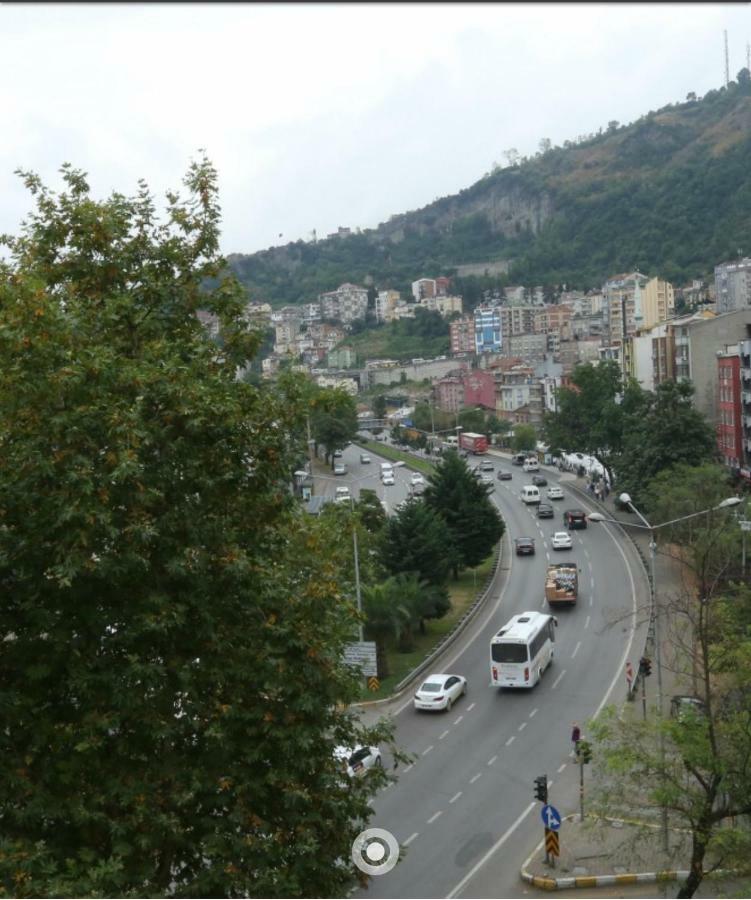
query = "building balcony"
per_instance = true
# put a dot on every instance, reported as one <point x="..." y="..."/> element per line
<point x="746" y="397"/>
<point x="746" y="373"/>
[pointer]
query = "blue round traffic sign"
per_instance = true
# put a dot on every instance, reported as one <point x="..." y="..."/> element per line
<point x="551" y="818"/>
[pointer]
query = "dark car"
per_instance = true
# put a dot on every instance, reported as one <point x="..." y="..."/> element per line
<point x="575" y="518"/>
<point x="525" y="546"/>
<point x="545" y="511"/>
<point x="518" y="459"/>
<point x="504" y="476"/>
<point x="539" y="480"/>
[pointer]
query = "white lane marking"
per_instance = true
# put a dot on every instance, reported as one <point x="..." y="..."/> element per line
<point x="561" y="768"/>
<point x="474" y="778"/>
<point x="592" y="583"/>
<point x="410" y="766"/>
<point x="442" y="736"/>
<point x="492" y="760"/>
<point x="425" y="752"/>
<point x="494" y="849"/>
<point x="586" y="622"/>
<point x="458" y="720"/>
<point x="576" y="649"/>
<point x="410" y="839"/>
<point x="591" y="601"/>
<point x="435" y="816"/>
<point x="470" y="707"/>
<point x="511" y="740"/>
<point x="456" y="796"/>
<point x="522" y="726"/>
<point x="533" y="713"/>
<point x="555" y="683"/>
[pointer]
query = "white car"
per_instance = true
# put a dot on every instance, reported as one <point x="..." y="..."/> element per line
<point x="358" y="761"/>
<point x="364" y="458"/>
<point x="388" y="478"/>
<point x="416" y="479"/>
<point x="342" y="494"/>
<point x="440" y="691"/>
<point x="340" y="469"/>
<point x="555" y="493"/>
<point x="561" y="540"/>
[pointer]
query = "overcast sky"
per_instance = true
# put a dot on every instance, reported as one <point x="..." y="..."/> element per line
<point x="322" y="115"/>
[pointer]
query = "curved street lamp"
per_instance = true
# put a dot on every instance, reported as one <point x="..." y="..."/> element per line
<point x="655" y="610"/>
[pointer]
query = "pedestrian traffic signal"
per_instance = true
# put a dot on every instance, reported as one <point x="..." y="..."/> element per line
<point x="585" y="752"/>
<point x="645" y="666"/>
<point x="541" y="788"/>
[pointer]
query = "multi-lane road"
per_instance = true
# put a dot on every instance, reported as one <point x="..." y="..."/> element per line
<point x="465" y="808"/>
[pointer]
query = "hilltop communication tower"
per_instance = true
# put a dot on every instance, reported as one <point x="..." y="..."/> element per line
<point x="727" y="61"/>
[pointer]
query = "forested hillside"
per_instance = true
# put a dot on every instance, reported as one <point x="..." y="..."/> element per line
<point x="669" y="194"/>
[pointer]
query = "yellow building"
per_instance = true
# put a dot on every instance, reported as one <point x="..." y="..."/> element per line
<point x="657" y="302"/>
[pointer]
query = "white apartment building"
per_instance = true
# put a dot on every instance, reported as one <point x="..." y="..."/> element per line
<point x="423" y="287"/>
<point x="733" y="285"/>
<point x="386" y="302"/>
<point x="347" y="303"/>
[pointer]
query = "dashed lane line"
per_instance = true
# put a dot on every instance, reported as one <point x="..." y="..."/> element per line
<point x="556" y="682"/>
<point x="522" y="726"/>
<point x="576" y="649"/>
<point x="511" y="740"/>
<point x="458" y="720"/>
<point x="470" y="707"/>
<point x="410" y="766"/>
<point x="533" y="713"/>
<point x="410" y="839"/>
<point x="586" y="622"/>
<point x="492" y="760"/>
<point x="425" y="752"/>
<point x="442" y="736"/>
<point x="435" y="816"/>
<point x="474" y="778"/>
<point x="456" y="796"/>
<point x="561" y="768"/>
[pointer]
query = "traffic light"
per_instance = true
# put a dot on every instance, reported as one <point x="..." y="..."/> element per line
<point x="645" y="666"/>
<point x="585" y="752"/>
<point x="541" y="788"/>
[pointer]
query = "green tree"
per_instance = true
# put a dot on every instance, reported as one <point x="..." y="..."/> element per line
<point x="171" y="672"/>
<point x="333" y="419"/>
<point x="379" y="406"/>
<point x="387" y="616"/>
<point x="463" y="503"/>
<point x="371" y="511"/>
<point x="525" y="438"/>
<point x="418" y="540"/>
<point x="473" y="420"/>
<point x="666" y="432"/>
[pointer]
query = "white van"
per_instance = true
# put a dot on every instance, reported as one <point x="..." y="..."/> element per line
<point x="387" y="467"/>
<point x="530" y="494"/>
<point x="452" y="440"/>
<point x="531" y="464"/>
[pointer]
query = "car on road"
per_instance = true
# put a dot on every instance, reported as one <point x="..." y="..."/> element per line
<point x="575" y="518"/>
<point x="357" y="761"/>
<point x="545" y="511"/>
<point x="337" y="454"/>
<point x="525" y="546"/>
<point x="555" y="493"/>
<point x="342" y="494"/>
<point x="504" y="476"/>
<point x="487" y="478"/>
<point x="388" y="478"/>
<point x="416" y="479"/>
<point x="561" y="540"/>
<point x="539" y="480"/>
<point x="365" y="459"/>
<point x="440" y="692"/>
<point x="518" y="459"/>
<point x="340" y="469"/>
<point x="486" y="465"/>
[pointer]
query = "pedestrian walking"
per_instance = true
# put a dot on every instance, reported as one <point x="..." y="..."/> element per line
<point x="576" y="736"/>
<point x="629" y="678"/>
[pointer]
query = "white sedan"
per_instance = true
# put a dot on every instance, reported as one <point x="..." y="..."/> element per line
<point x="388" y="478"/>
<point x="440" y="691"/>
<point x="416" y="479"/>
<point x="358" y="761"/>
<point x="555" y="493"/>
<point x="561" y="540"/>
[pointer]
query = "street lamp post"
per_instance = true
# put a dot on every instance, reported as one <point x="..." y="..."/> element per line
<point x="654" y="605"/>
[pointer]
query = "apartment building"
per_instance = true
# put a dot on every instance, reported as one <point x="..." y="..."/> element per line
<point x="386" y="302"/>
<point x="518" y="319"/>
<point x="347" y="303"/>
<point x="733" y="285"/>
<point x="488" y="334"/>
<point x="527" y="346"/>
<point x="729" y="408"/>
<point x="423" y="287"/>
<point x="448" y="393"/>
<point x="657" y="302"/>
<point x="446" y="305"/>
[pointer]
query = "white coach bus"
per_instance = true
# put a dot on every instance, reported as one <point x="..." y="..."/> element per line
<point x="522" y="650"/>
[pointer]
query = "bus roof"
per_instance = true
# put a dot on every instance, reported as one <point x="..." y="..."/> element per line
<point x="520" y="628"/>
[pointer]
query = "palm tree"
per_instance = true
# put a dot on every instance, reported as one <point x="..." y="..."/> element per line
<point x="387" y="616"/>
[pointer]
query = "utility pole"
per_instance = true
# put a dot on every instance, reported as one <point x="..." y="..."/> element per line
<point x="727" y="60"/>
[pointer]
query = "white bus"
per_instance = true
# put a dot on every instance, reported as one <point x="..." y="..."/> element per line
<point x="522" y="650"/>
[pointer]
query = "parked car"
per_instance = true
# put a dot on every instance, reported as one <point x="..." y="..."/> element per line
<point x="364" y="458"/>
<point x="525" y="546"/>
<point x="575" y="518"/>
<point x="342" y="494"/>
<point x="561" y="540"/>
<point x="340" y="469"/>
<point x="555" y="493"/>
<point x="539" y="480"/>
<point x="486" y="465"/>
<point x="440" y="692"/>
<point x="357" y="761"/>
<point x="504" y="476"/>
<point x="545" y="511"/>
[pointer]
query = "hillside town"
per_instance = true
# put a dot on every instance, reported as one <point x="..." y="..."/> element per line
<point x="510" y="353"/>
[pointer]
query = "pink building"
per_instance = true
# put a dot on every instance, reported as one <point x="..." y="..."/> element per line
<point x="729" y="413"/>
<point x="479" y="388"/>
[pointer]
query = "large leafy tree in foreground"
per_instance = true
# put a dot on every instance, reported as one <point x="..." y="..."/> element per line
<point x="172" y="630"/>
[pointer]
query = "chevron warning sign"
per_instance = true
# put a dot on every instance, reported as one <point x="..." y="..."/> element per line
<point x="552" y="846"/>
<point x="373" y="683"/>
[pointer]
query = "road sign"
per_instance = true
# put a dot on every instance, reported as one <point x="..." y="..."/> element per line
<point x="552" y="845"/>
<point x="362" y="654"/>
<point x="373" y="683"/>
<point x="551" y="818"/>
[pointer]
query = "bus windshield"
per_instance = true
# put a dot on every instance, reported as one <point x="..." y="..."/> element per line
<point x="509" y="653"/>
